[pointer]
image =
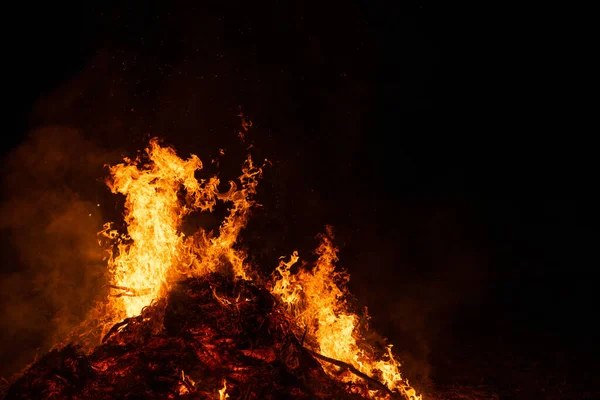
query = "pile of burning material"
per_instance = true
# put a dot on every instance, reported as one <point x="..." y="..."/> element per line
<point x="188" y="315"/>
<point x="211" y="338"/>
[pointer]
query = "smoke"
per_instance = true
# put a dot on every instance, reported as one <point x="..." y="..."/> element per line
<point x="52" y="264"/>
<point x="313" y="103"/>
<point x="419" y="272"/>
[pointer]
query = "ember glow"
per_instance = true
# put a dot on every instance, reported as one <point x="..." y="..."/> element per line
<point x="160" y="189"/>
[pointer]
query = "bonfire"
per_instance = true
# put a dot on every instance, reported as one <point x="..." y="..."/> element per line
<point x="189" y="317"/>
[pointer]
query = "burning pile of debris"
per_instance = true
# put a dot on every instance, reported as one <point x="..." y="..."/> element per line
<point x="188" y="316"/>
<point x="211" y="338"/>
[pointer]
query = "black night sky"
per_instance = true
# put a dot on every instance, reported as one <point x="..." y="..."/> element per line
<point x="441" y="147"/>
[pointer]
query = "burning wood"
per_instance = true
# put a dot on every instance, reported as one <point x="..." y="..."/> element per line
<point x="205" y="349"/>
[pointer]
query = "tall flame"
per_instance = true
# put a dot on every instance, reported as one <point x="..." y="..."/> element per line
<point x="160" y="190"/>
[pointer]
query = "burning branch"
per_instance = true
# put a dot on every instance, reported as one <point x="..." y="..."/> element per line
<point x="129" y="291"/>
<point x="116" y="327"/>
<point x="188" y="383"/>
<point x="356" y="372"/>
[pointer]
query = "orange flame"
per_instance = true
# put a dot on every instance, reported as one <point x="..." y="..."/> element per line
<point x="223" y="392"/>
<point x="316" y="298"/>
<point x="246" y="125"/>
<point x="161" y="189"/>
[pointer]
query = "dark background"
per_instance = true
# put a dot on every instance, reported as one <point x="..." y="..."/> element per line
<point x="444" y="148"/>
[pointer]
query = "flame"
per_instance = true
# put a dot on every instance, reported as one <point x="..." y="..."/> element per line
<point x="160" y="190"/>
<point x="316" y="299"/>
<point x="223" y="392"/>
<point x="246" y="125"/>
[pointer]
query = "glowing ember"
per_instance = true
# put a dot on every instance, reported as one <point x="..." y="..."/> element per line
<point x="246" y="124"/>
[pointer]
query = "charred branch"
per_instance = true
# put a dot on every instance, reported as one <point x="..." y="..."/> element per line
<point x="126" y="291"/>
<point x="348" y="367"/>
<point x="115" y="329"/>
